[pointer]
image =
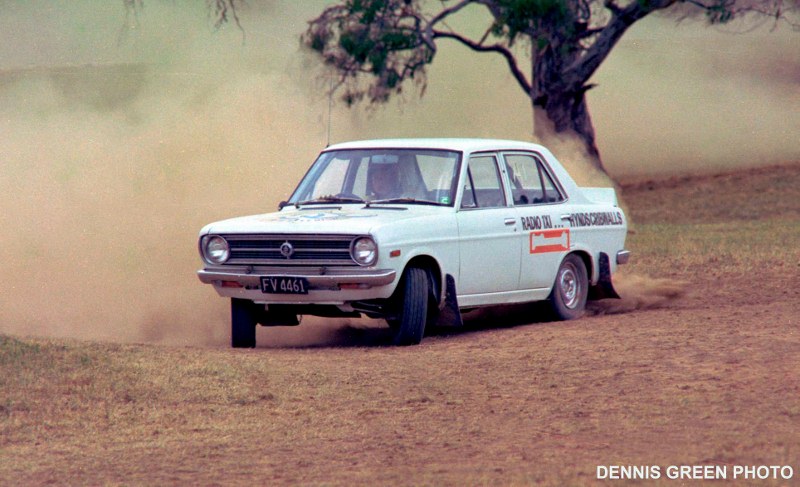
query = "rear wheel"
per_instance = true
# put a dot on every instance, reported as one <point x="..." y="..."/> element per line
<point x="414" y="312"/>
<point x="568" y="297"/>
<point x="243" y="323"/>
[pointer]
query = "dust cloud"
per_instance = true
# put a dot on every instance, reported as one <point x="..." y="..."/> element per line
<point x="676" y="99"/>
<point x="109" y="171"/>
<point x="105" y="205"/>
<point x="639" y="292"/>
<point x="327" y="332"/>
<point x="116" y="149"/>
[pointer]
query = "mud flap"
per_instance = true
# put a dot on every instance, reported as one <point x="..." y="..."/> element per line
<point x="450" y="315"/>
<point x="604" y="289"/>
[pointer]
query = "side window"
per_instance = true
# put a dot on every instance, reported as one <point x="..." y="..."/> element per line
<point x="483" y="188"/>
<point x="551" y="192"/>
<point x="530" y="182"/>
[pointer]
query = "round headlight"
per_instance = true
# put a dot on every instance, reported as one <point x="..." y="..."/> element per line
<point x="216" y="250"/>
<point x="365" y="251"/>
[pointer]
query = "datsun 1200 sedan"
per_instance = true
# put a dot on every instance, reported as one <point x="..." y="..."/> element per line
<point x="413" y="231"/>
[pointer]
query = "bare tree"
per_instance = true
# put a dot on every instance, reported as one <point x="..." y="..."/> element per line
<point x="551" y="47"/>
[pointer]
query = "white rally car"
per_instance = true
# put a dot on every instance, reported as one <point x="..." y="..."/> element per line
<point x="413" y="231"/>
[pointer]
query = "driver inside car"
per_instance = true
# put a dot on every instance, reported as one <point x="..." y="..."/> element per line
<point x="384" y="181"/>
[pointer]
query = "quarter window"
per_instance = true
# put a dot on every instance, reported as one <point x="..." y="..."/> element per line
<point x="551" y="192"/>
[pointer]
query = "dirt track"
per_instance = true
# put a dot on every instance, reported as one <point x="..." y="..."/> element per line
<point x="698" y="366"/>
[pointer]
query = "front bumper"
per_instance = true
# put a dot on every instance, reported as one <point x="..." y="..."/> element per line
<point x="326" y="285"/>
<point x="319" y="278"/>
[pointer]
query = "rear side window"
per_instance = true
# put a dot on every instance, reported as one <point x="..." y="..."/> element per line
<point x="530" y="181"/>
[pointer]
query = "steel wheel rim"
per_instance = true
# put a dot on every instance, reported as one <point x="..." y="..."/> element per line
<point x="569" y="286"/>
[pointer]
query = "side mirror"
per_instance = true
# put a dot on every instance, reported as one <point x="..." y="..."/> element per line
<point x="282" y="204"/>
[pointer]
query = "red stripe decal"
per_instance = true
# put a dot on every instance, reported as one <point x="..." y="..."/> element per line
<point x="556" y="240"/>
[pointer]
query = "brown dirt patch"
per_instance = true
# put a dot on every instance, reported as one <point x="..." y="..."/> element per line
<point x="698" y="364"/>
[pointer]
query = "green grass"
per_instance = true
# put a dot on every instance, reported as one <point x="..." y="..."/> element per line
<point x="740" y="247"/>
<point x="743" y="222"/>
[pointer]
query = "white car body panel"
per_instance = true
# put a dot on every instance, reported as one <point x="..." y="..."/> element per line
<point x="494" y="256"/>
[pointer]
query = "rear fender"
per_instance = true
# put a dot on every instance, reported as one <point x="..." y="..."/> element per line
<point x="601" y="195"/>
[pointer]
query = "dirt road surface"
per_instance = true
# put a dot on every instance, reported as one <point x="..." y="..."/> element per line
<point x="699" y="364"/>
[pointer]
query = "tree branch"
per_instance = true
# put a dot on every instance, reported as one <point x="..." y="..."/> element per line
<point x="428" y="34"/>
<point x="613" y="7"/>
<point x="621" y="19"/>
<point x="223" y="10"/>
<point x="507" y="54"/>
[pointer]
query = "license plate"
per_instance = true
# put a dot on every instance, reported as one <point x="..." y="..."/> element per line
<point x="284" y="285"/>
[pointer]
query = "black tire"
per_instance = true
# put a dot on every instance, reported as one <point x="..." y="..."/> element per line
<point x="243" y="323"/>
<point x="414" y="312"/>
<point x="394" y="324"/>
<point x="568" y="297"/>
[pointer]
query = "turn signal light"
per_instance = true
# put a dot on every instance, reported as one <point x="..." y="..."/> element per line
<point x="353" y="286"/>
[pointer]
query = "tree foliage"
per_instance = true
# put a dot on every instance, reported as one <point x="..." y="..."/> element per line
<point x="376" y="46"/>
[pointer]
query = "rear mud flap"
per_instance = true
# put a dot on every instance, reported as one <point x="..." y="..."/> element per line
<point x="450" y="315"/>
<point x="604" y="289"/>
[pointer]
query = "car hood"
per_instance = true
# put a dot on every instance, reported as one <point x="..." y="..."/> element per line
<point x="344" y="219"/>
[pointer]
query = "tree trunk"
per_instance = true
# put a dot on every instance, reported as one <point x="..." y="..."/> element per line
<point x="569" y="114"/>
<point x="558" y="95"/>
<point x="564" y="126"/>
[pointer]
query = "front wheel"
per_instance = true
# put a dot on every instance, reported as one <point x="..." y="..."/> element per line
<point x="243" y="323"/>
<point x="568" y="297"/>
<point x="414" y="312"/>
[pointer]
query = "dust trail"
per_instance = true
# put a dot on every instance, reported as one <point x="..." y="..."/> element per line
<point x="112" y="157"/>
<point x="316" y="332"/>
<point x="105" y="205"/>
<point x="687" y="99"/>
<point x="639" y="292"/>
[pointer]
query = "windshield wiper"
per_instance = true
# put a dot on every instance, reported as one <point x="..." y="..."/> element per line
<point x="329" y="199"/>
<point x="405" y="200"/>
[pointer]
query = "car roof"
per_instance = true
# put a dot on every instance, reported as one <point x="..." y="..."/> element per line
<point x="456" y="144"/>
<point x="469" y="146"/>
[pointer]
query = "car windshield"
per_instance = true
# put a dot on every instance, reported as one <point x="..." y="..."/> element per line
<point x="380" y="176"/>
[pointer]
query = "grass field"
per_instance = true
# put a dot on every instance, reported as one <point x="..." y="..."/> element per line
<point x="698" y="364"/>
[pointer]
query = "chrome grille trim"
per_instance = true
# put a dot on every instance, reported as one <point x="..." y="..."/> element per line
<point x="265" y="249"/>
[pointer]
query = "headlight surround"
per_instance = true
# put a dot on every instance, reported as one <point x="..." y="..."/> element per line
<point x="215" y="249"/>
<point x="364" y="251"/>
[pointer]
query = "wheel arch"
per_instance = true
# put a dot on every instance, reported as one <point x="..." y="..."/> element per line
<point x="434" y="272"/>
<point x="586" y="257"/>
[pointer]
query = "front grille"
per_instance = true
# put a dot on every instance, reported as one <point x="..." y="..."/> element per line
<point x="306" y="250"/>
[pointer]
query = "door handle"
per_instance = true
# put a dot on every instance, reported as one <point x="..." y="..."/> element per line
<point x="510" y="221"/>
<point x="566" y="216"/>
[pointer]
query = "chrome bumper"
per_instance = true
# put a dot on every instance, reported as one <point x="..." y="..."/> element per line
<point x="317" y="277"/>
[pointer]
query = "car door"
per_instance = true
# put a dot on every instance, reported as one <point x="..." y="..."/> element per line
<point x="539" y="205"/>
<point x="489" y="238"/>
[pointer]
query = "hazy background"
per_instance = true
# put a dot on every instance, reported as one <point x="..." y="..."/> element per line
<point x="121" y="136"/>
